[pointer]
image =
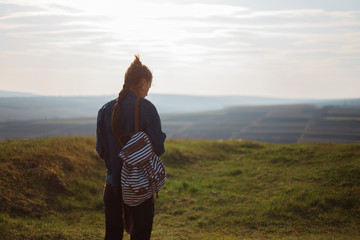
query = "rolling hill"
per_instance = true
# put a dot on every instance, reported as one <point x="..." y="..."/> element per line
<point x="190" y="117"/>
<point x="276" y="124"/>
<point x="51" y="188"/>
<point x="23" y="107"/>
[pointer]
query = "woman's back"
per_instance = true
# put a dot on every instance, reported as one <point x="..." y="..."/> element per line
<point x="149" y="122"/>
<point x="114" y="124"/>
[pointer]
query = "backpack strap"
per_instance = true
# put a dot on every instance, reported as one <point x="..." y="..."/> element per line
<point x="136" y="118"/>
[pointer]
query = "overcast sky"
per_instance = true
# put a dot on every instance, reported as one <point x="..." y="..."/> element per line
<point x="280" y="48"/>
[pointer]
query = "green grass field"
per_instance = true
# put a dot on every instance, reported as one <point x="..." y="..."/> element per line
<point x="51" y="188"/>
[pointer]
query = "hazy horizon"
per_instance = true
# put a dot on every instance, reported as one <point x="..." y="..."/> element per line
<point x="283" y="49"/>
<point x="30" y="94"/>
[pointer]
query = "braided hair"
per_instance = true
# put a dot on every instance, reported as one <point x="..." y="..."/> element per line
<point x="133" y="76"/>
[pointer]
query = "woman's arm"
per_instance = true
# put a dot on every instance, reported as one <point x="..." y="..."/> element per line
<point x="153" y="128"/>
<point x="100" y="134"/>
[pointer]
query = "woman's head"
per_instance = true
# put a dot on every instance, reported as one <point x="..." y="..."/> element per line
<point x="138" y="78"/>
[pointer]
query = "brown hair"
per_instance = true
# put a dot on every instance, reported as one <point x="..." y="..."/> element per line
<point x="133" y="76"/>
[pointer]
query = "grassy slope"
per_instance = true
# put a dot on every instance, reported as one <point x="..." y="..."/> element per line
<point x="51" y="189"/>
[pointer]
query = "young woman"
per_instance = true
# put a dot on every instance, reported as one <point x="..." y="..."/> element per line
<point x="115" y="123"/>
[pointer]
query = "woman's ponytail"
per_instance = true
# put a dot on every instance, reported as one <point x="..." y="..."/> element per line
<point x="134" y="74"/>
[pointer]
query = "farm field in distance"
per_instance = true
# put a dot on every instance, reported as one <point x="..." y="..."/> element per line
<point x="276" y="124"/>
<point x="273" y="124"/>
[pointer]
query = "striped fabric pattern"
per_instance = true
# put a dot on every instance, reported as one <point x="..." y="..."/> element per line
<point x="143" y="173"/>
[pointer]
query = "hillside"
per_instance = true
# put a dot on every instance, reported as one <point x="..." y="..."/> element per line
<point x="12" y="94"/>
<point x="51" y="188"/>
<point x="274" y="124"/>
<point x="24" y="107"/>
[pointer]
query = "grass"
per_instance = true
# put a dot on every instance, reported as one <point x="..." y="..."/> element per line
<point x="52" y="189"/>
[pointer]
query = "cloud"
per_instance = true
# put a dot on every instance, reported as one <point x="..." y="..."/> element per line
<point x="9" y="8"/>
<point x="232" y="40"/>
<point x="198" y="24"/>
<point x="64" y="8"/>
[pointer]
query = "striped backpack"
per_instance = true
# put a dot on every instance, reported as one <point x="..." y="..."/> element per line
<point x="143" y="173"/>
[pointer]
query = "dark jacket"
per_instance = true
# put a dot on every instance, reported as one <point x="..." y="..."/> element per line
<point x="106" y="146"/>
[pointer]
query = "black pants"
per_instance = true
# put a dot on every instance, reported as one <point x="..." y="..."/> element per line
<point x="142" y="216"/>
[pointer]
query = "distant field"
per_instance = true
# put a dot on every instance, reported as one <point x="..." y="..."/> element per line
<point x="51" y="188"/>
<point x="273" y="124"/>
<point x="48" y="128"/>
<point x="25" y="107"/>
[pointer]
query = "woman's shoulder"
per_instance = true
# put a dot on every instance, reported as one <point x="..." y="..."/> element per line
<point x="106" y="108"/>
<point x="146" y="105"/>
<point x="108" y="105"/>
